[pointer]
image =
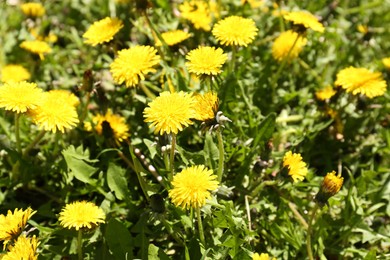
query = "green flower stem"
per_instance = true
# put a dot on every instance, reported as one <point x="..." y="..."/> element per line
<point x="309" y="228"/>
<point x="200" y="226"/>
<point x="17" y="132"/>
<point x="85" y="111"/>
<point x="308" y="68"/>
<point x="37" y="139"/>
<point x="221" y="155"/>
<point x="233" y="60"/>
<point x="172" y="157"/>
<point x="297" y="215"/>
<point x="281" y="67"/>
<point x="147" y="92"/>
<point x="80" y="244"/>
<point x="245" y="97"/>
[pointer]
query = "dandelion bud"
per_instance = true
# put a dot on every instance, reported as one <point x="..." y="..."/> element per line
<point x="330" y="186"/>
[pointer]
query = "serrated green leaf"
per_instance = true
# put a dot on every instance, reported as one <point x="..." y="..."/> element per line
<point x="75" y="159"/>
<point x="116" y="181"/>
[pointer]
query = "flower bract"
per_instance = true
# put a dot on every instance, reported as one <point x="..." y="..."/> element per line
<point x="235" y="30"/>
<point x="133" y="64"/>
<point x="192" y="186"/>
<point x="102" y="31"/>
<point x="170" y="112"/>
<point x="81" y="215"/>
<point x="206" y="60"/>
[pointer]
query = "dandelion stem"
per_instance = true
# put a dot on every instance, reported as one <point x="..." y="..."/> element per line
<point x="172" y="157"/>
<point x="80" y="245"/>
<point x="17" y="132"/>
<point x="309" y="228"/>
<point x="37" y="139"/>
<point x="221" y="155"/>
<point x="85" y="111"/>
<point x="200" y="226"/>
<point x="233" y="61"/>
<point x="147" y="92"/>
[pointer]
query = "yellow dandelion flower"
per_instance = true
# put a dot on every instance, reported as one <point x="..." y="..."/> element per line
<point x="133" y="64"/>
<point x="262" y="256"/>
<point x="173" y="37"/>
<point x="330" y="186"/>
<point x="253" y="3"/>
<point x="116" y="122"/>
<point x="24" y="248"/>
<point x="361" y="80"/>
<point x="192" y="186"/>
<point x="170" y="112"/>
<point x="14" y="72"/>
<point x="304" y="19"/>
<point x="326" y="93"/>
<point x="296" y="167"/>
<point x="102" y="31"/>
<point x="198" y="13"/>
<point x="56" y="111"/>
<point x="20" y="96"/>
<point x="386" y="62"/>
<point x="33" y="9"/>
<point x="362" y="29"/>
<point x="206" y="106"/>
<point x="80" y="215"/>
<point x="206" y="60"/>
<point x="235" y="30"/>
<point x="13" y="224"/>
<point x="52" y="38"/>
<point x="36" y="47"/>
<point x="66" y="96"/>
<point x="288" y="45"/>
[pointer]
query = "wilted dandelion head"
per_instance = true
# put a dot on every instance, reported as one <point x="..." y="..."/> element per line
<point x="33" y="9"/>
<point x="81" y="215"/>
<point x="36" y="47"/>
<point x="24" y="248"/>
<point x="386" y="62"/>
<point x="102" y="31"/>
<point x="198" y="13"/>
<point x="14" y="72"/>
<point x="13" y="224"/>
<point x="192" y="186"/>
<point x="304" y="19"/>
<point x="330" y="186"/>
<point x="361" y="81"/>
<point x="173" y="37"/>
<point x="170" y="112"/>
<point x="133" y="64"/>
<point x="325" y="93"/>
<point x="206" y="60"/>
<point x="206" y="106"/>
<point x="56" y="111"/>
<point x="296" y="166"/>
<point x="117" y="124"/>
<point x="288" y="45"/>
<point x="262" y="256"/>
<point x="235" y="30"/>
<point x="20" y="96"/>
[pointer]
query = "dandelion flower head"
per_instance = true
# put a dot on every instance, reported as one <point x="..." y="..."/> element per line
<point x="198" y="13"/>
<point x="55" y="112"/>
<point x="13" y="224"/>
<point x="170" y="112"/>
<point x="20" y="96"/>
<point x="102" y="31"/>
<point x="386" y="62"/>
<point x="133" y="64"/>
<point x="33" y="9"/>
<point x="326" y="93"/>
<point x="305" y="19"/>
<point x="253" y="3"/>
<point x="116" y="122"/>
<point x="296" y="167"/>
<point x="262" y="256"/>
<point x="361" y="81"/>
<point x="173" y="37"/>
<point x="37" y="47"/>
<point x="24" y="248"/>
<point x="288" y="45"/>
<point x="14" y="72"/>
<point x="192" y="186"/>
<point x="66" y="96"/>
<point x="206" y="106"/>
<point x="330" y="186"/>
<point x="80" y="215"/>
<point x="235" y="30"/>
<point x="206" y="60"/>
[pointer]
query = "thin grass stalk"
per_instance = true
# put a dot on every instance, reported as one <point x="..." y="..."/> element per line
<point x="308" y="237"/>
